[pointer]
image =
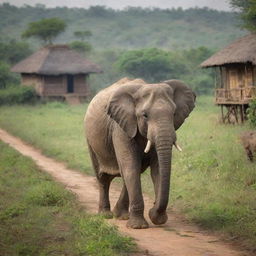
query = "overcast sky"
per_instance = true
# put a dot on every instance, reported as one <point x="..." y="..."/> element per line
<point x="119" y="4"/>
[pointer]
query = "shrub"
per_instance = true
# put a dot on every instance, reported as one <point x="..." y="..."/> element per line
<point x="47" y="194"/>
<point x="251" y="112"/>
<point x="12" y="211"/>
<point x="17" y="95"/>
<point x="6" y="76"/>
<point x="82" y="47"/>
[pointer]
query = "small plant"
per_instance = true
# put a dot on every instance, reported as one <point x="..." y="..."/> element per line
<point x="47" y="194"/>
<point x="251" y="112"/>
<point x="101" y="237"/>
<point x="12" y="212"/>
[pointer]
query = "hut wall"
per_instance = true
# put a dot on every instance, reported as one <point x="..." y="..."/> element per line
<point x="33" y="80"/>
<point x="54" y="85"/>
<point x="80" y="84"/>
<point x="237" y="76"/>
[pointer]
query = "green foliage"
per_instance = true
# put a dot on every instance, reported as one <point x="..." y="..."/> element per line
<point x="6" y="77"/>
<point x="39" y="217"/>
<point x="12" y="212"/>
<point x="102" y="238"/>
<point x="251" y="112"/>
<point x="82" y="47"/>
<point x="131" y="28"/>
<point x="155" y="65"/>
<point x="248" y="12"/>
<point x="200" y="80"/>
<point x="82" y="34"/>
<point x="45" y="29"/>
<point x="47" y="194"/>
<point x="17" y="95"/>
<point x="151" y="64"/>
<point x="13" y="51"/>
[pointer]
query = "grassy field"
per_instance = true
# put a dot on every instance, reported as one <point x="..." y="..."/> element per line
<point x="213" y="183"/>
<point x="39" y="217"/>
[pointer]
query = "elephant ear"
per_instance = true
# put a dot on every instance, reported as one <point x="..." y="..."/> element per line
<point x="184" y="98"/>
<point x="121" y="108"/>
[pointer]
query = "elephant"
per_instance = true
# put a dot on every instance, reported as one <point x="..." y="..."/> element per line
<point x="131" y="126"/>
<point x="248" y="139"/>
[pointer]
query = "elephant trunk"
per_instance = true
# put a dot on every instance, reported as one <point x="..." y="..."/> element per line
<point x="164" y="141"/>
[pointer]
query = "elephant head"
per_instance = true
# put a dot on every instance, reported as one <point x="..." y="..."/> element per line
<point x="155" y="111"/>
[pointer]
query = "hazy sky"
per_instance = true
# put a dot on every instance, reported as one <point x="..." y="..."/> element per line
<point x="119" y="4"/>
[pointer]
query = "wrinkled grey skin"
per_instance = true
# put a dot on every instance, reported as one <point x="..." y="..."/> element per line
<point x="248" y="139"/>
<point x="119" y="121"/>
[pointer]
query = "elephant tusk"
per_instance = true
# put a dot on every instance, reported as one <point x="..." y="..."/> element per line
<point x="177" y="147"/>
<point x="148" y="146"/>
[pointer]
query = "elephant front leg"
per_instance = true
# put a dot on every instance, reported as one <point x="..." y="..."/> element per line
<point x="133" y="184"/>
<point x="121" y="210"/>
<point x="128" y="157"/>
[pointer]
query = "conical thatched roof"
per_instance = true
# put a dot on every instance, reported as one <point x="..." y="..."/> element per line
<point x="56" y="60"/>
<point x="242" y="50"/>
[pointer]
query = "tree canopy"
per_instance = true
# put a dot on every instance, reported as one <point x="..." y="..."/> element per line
<point x="45" y="30"/>
<point x="151" y="64"/>
<point x="83" y="34"/>
<point x="155" y="65"/>
<point x="248" y="12"/>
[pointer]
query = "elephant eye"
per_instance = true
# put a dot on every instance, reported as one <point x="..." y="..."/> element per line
<point x="145" y="115"/>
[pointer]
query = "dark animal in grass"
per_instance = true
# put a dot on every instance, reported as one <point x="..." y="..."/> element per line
<point x="248" y="139"/>
<point x="131" y="126"/>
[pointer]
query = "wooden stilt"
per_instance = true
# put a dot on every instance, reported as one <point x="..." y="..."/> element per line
<point x="242" y="113"/>
<point x="236" y="114"/>
<point x="233" y="114"/>
<point x="222" y="114"/>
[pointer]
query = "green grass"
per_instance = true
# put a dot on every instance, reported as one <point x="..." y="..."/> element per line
<point x="213" y="183"/>
<point x="40" y="218"/>
<point x="55" y="128"/>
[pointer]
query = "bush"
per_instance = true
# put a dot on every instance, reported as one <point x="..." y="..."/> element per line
<point x="17" y="95"/>
<point x="251" y="112"/>
<point x="6" y="76"/>
<point x="47" y="194"/>
<point x="82" y="47"/>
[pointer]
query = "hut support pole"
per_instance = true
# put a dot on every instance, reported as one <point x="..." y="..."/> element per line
<point x="222" y="114"/>
<point x="236" y="113"/>
<point x="242" y="113"/>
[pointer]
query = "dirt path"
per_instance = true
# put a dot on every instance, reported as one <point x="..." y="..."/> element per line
<point x="176" y="238"/>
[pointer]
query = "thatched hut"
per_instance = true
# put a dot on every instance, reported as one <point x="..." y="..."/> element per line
<point x="57" y="71"/>
<point x="235" y="67"/>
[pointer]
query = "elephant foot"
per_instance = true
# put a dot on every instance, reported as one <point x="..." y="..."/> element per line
<point x="121" y="214"/>
<point x="137" y="223"/>
<point x="106" y="213"/>
<point x="157" y="218"/>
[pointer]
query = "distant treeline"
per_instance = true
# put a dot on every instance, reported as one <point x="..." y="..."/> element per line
<point x="131" y="28"/>
<point x="153" y="44"/>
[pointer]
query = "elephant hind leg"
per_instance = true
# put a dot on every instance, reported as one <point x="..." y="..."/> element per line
<point x="121" y="209"/>
<point x="104" y="181"/>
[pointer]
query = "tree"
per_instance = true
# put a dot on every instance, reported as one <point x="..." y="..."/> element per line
<point x="45" y="30"/>
<point x="13" y="51"/>
<point x="7" y="78"/>
<point x="82" y="47"/>
<point x="82" y="34"/>
<point x="248" y="12"/>
<point x="150" y="64"/>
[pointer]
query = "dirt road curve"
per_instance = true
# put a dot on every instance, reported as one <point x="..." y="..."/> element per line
<point x="176" y="238"/>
